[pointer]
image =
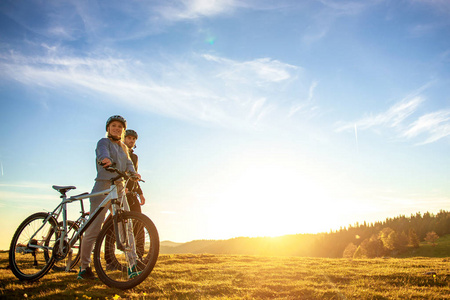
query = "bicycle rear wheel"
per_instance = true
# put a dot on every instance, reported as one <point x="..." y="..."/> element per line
<point x="28" y="250"/>
<point x="61" y="265"/>
<point x="124" y="269"/>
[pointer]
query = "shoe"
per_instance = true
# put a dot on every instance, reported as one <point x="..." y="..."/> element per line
<point x="132" y="272"/>
<point x="86" y="274"/>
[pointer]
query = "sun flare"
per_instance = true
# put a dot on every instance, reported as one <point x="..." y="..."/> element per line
<point x="272" y="199"/>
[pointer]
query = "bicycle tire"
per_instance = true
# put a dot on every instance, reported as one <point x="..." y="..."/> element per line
<point x="31" y="264"/>
<point x="142" y="227"/>
<point x="109" y="248"/>
<point x="60" y="265"/>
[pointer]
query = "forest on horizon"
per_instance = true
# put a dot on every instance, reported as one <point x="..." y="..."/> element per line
<point x="367" y="240"/>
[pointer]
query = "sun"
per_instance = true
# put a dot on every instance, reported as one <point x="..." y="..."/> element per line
<point x="272" y="199"/>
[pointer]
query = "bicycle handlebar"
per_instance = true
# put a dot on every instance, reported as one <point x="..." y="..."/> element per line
<point x="124" y="175"/>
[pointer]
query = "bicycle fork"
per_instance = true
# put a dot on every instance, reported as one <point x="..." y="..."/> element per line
<point x="124" y="233"/>
<point x="115" y="204"/>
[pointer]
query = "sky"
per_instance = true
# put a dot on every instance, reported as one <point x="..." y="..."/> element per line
<point x="255" y="118"/>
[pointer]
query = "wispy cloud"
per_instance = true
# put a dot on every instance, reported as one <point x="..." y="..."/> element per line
<point x="26" y="195"/>
<point x="25" y="185"/>
<point x="263" y="70"/>
<point x="440" y="6"/>
<point x="201" y="88"/>
<point x="328" y="12"/>
<point x="420" y="30"/>
<point x="192" y="9"/>
<point x="436" y="125"/>
<point x="431" y="127"/>
<point x="349" y="7"/>
<point x="307" y="105"/>
<point x="179" y="10"/>
<point x="392" y="117"/>
<point x="26" y="198"/>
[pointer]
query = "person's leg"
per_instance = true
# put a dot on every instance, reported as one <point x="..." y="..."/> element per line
<point x="91" y="233"/>
<point x="132" y="256"/>
<point x="133" y="201"/>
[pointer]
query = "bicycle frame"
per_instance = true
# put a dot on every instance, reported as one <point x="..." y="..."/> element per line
<point x="111" y="197"/>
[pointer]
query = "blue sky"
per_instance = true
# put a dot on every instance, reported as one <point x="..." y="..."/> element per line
<point x="255" y="118"/>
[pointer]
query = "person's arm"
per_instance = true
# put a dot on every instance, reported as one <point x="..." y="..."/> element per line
<point x="142" y="199"/>
<point x="138" y="189"/>
<point x="135" y="159"/>
<point x="102" y="152"/>
<point x="140" y="193"/>
<point x="130" y="168"/>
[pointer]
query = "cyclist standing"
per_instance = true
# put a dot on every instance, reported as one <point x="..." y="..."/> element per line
<point x="109" y="150"/>
<point x="133" y="188"/>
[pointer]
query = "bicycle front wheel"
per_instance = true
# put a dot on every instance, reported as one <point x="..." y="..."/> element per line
<point x="29" y="253"/>
<point x="125" y="269"/>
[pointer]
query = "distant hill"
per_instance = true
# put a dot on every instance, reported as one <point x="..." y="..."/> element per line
<point x="332" y="244"/>
<point x="288" y="245"/>
<point x="170" y="244"/>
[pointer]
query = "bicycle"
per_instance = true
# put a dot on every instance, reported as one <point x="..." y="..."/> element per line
<point x="47" y="240"/>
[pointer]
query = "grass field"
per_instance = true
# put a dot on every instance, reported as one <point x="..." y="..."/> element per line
<point x="204" y="276"/>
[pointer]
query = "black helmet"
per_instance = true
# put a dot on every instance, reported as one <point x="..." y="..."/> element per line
<point x="131" y="132"/>
<point x="116" y="118"/>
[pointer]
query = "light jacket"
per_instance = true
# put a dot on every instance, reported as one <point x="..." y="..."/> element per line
<point x="107" y="149"/>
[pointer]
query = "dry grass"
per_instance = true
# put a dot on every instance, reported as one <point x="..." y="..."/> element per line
<point x="253" y="277"/>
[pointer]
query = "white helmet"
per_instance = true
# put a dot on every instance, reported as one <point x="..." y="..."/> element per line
<point x="116" y="118"/>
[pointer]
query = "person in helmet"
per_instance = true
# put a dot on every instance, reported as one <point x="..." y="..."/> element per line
<point x="109" y="150"/>
<point x="133" y="188"/>
<point x="135" y="198"/>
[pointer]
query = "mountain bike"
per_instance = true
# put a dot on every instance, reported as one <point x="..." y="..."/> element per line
<point x="46" y="240"/>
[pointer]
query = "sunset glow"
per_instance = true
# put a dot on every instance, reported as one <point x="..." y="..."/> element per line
<point x="255" y="118"/>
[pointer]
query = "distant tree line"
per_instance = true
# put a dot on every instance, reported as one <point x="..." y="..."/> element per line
<point x="390" y="237"/>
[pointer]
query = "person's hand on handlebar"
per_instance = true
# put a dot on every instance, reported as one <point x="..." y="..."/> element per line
<point x="135" y="177"/>
<point x="106" y="162"/>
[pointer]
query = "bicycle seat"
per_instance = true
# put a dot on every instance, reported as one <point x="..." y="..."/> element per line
<point x="64" y="189"/>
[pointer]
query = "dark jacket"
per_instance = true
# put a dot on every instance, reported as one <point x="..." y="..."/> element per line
<point x="133" y="186"/>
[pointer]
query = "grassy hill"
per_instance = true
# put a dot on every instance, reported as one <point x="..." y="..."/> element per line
<point x="442" y="249"/>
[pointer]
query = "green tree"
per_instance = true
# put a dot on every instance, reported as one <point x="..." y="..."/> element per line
<point x="361" y="251"/>
<point x="392" y="241"/>
<point x="384" y="237"/>
<point x="349" y="251"/>
<point x="431" y="238"/>
<point x="374" y="248"/>
<point x="402" y="242"/>
<point x="413" y="239"/>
